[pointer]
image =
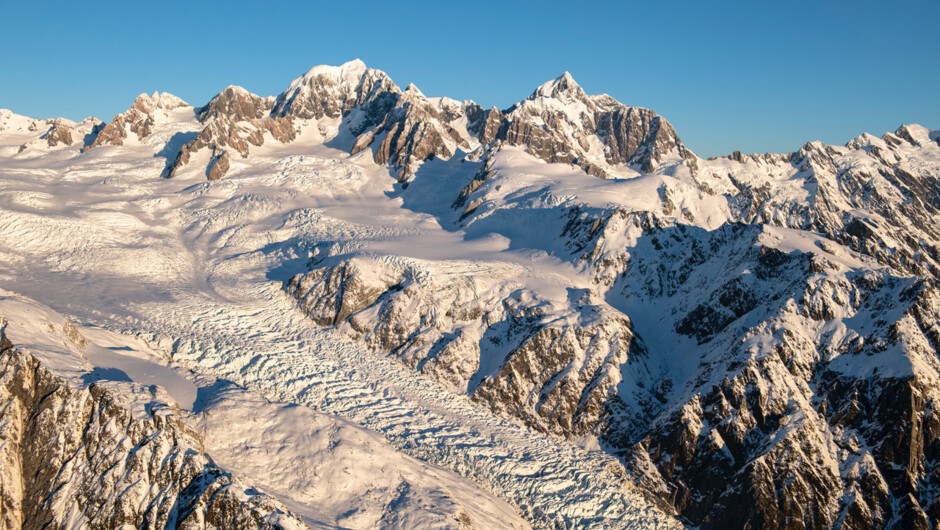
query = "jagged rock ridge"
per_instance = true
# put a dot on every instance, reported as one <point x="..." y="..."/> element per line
<point x="137" y="120"/>
<point x="494" y="341"/>
<point x="83" y="457"/>
<point x="557" y="123"/>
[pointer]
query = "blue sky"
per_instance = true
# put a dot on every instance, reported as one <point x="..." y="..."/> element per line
<point x="728" y="75"/>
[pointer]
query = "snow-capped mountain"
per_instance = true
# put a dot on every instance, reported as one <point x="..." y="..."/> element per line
<point x="747" y="341"/>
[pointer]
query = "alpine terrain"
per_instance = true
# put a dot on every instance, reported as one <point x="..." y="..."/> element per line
<point x="351" y="305"/>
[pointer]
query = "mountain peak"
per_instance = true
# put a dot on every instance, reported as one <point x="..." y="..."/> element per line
<point x="333" y="90"/>
<point x="412" y="89"/>
<point x="235" y="89"/>
<point x="563" y="85"/>
<point x="236" y="103"/>
<point x="158" y="100"/>
<point x="350" y="70"/>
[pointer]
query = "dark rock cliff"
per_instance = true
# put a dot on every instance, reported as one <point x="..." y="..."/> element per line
<point x="82" y="457"/>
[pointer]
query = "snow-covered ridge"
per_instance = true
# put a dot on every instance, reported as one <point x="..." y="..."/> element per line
<point x="557" y="123"/>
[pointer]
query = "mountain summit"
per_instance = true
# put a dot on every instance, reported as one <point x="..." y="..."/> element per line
<point x="562" y="87"/>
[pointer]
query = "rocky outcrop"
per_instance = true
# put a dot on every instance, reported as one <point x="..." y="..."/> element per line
<point x="330" y="295"/>
<point x="500" y="345"/>
<point x="59" y="133"/>
<point x="218" y="164"/>
<point x="44" y="134"/>
<point x="236" y="119"/>
<point x="483" y="124"/>
<point x="561" y="379"/>
<point x="416" y="130"/>
<point x="236" y="104"/>
<point x="90" y="457"/>
<point x="137" y="120"/>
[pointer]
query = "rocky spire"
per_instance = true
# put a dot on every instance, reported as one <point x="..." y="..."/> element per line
<point x="59" y="133"/>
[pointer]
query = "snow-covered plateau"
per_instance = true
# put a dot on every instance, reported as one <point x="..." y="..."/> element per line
<point x="354" y="306"/>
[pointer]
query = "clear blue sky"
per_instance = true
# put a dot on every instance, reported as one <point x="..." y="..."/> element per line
<point x="728" y="75"/>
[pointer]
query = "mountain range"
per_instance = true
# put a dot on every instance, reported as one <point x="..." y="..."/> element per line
<point x="554" y="315"/>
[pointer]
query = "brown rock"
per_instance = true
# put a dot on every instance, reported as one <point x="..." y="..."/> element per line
<point x="59" y="133"/>
<point x="218" y="164"/>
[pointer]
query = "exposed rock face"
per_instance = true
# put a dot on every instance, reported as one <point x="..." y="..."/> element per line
<point x="59" y="133"/>
<point x="333" y="92"/>
<point x="492" y="341"/>
<point x="330" y="295"/>
<point x="416" y="130"/>
<point x="236" y="104"/>
<point x="560" y="379"/>
<point x="237" y="119"/>
<point x="84" y="458"/>
<point x="559" y="123"/>
<point x="484" y="124"/>
<point x="218" y="164"/>
<point x="138" y="120"/>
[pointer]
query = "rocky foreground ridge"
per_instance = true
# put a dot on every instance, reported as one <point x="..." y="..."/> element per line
<point x="94" y="457"/>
